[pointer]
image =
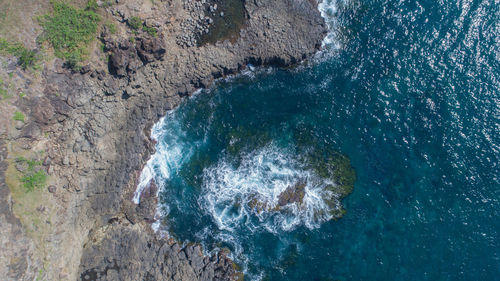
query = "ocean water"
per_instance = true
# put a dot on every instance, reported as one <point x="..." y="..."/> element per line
<point x="409" y="91"/>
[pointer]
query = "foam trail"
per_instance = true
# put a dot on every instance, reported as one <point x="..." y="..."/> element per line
<point x="145" y="179"/>
<point x="147" y="173"/>
<point x="170" y="154"/>
<point x="328" y="9"/>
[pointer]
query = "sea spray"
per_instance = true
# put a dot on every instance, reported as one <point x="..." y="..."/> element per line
<point x="328" y="9"/>
<point x="232" y="195"/>
<point x="171" y="153"/>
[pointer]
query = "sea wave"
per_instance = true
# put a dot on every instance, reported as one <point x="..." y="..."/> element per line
<point x="328" y="9"/>
<point x="247" y="195"/>
<point x="171" y="153"/>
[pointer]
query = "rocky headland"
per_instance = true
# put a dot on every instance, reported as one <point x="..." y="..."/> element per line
<point x="89" y="131"/>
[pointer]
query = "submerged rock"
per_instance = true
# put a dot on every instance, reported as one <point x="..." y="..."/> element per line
<point x="336" y="178"/>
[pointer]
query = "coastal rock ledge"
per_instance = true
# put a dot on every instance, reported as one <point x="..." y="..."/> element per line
<point x="94" y="127"/>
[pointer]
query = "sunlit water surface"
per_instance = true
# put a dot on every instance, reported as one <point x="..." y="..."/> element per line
<point x="409" y="91"/>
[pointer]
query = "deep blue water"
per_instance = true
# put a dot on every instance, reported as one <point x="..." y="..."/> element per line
<point x="410" y="92"/>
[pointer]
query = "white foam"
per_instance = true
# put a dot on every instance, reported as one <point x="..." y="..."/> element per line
<point x="147" y="172"/>
<point x="262" y="176"/>
<point x="144" y="181"/>
<point x="328" y="10"/>
<point x="171" y="153"/>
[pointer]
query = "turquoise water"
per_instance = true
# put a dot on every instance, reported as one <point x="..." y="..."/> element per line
<point x="409" y="91"/>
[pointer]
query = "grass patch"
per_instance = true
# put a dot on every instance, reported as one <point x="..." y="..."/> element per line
<point x="107" y="3"/>
<point x="134" y="22"/>
<point x="32" y="174"/>
<point x="150" y="30"/>
<point x="70" y="30"/>
<point x="3" y="91"/>
<point x="111" y="27"/>
<point x="26" y="58"/>
<point x="18" y="116"/>
<point x="92" y="6"/>
<point x="28" y="206"/>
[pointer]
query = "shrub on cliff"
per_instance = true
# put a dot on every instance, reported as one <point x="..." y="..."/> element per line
<point x="33" y="176"/>
<point x="69" y="30"/>
<point x="150" y="30"/>
<point x="134" y="22"/>
<point x="18" y="116"/>
<point x="26" y="58"/>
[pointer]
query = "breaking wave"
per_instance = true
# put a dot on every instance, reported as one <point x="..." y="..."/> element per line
<point x="171" y="153"/>
<point x="248" y="195"/>
<point x="328" y="9"/>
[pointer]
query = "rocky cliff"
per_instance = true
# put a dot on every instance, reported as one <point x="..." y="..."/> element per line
<point x="94" y="127"/>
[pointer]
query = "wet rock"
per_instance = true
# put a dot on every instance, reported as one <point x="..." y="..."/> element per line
<point x="293" y="194"/>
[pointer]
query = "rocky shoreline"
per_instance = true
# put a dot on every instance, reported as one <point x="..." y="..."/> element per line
<point x="94" y="127"/>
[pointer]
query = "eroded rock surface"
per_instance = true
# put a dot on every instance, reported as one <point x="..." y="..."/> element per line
<point x="293" y="194"/>
<point x="95" y="126"/>
<point x="114" y="257"/>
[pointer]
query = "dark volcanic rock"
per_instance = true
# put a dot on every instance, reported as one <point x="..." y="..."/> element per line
<point x="293" y="194"/>
<point x="153" y="78"/>
<point x="52" y="189"/>
<point x="112" y="257"/>
<point x="118" y="62"/>
<point x="99" y="132"/>
<point x="150" y="49"/>
<point x="42" y="110"/>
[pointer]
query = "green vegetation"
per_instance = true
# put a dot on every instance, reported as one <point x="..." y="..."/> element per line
<point x="92" y="6"/>
<point x="103" y="48"/>
<point x="111" y="27"/>
<point x="3" y="90"/>
<point x="18" y="116"/>
<point x="150" y="30"/>
<point x="40" y="275"/>
<point x="328" y="164"/>
<point x="107" y="3"/>
<point x="27" y="58"/>
<point x="70" y="30"/>
<point x="343" y="174"/>
<point x="134" y="22"/>
<point x="33" y="176"/>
